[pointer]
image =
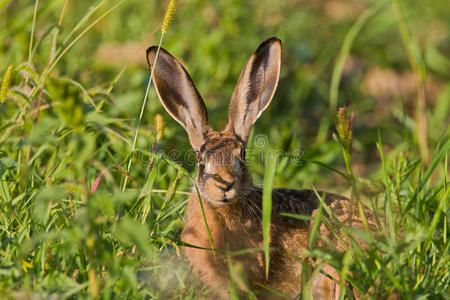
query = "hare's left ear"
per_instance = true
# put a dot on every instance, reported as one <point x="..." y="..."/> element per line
<point x="255" y="88"/>
<point x="178" y="95"/>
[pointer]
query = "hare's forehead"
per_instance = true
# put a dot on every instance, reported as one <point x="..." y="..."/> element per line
<point x="221" y="147"/>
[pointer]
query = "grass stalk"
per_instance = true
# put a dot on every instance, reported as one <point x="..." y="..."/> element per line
<point x="355" y="190"/>
<point x="54" y="62"/>
<point x="344" y="52"/>
<point x="345" y="140"/>
<point x="168" y="16"/>
<point x="269" y="174"/>
<point x="419" y="70"/>
<point x="144" y="103"/>
<point x="122" y="71"/>
<point x="388" y="206"/>
<point x="56" y="33"/>
<point x="83" y="20"/>
<point x="339" y="66"/>
<point x="75" y="40"/>
<point x="33" y="26"/>
<point x="445" y="230"/>
<point x="208" y="231"/>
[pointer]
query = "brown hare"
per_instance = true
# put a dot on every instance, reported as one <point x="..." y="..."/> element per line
<point x="232" y="204"/>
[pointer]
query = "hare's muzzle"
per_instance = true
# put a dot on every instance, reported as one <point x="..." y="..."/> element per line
<point x="221" y="175"/>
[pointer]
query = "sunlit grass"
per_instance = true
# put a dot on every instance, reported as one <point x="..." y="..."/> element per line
<point x="67" y="120"/>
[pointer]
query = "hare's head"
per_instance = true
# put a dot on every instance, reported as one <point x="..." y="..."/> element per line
<point x="222" y="176"/>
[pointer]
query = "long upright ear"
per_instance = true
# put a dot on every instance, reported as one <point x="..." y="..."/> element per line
<point x="178" y="95"/>
<point x="255" y="88"/>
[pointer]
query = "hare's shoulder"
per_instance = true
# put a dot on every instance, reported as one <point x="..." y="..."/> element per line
<point x="299" y="201"/>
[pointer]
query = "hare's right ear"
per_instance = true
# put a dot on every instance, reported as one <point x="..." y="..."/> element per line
<point x="255" y="88"/>
<point x="178" y="95"/>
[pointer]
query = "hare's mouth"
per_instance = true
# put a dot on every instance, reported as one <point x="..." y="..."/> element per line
<point x="223" y="202"/>
<point x="226" y="199"/>
<point x="230" y="195"/>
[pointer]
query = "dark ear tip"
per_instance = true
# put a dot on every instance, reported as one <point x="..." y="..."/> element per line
<point x="267" y="44"/>
<point x="151" y="49"/>
<point x="270" y="41"/>
<point x="151" y="52"/>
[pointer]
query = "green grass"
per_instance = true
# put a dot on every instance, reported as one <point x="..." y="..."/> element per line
<point x="73" y="79"/>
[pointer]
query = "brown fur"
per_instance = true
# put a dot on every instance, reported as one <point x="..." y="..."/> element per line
<point x="232" y="205"/>
<point x="238" y="226"/>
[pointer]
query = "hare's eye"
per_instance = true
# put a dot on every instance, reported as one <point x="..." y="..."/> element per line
<point x="198" y="156"/>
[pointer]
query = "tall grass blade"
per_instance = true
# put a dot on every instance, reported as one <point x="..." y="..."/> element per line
<point x="339" y="66"/>
<point x="4" y="4"/>
<point x="94" y="7"/>
<point x="446" y="200"/>
<point x="168" y="16"/>
<point x="269" y="174"/>
<point x="436" y="159"/>
<point x="33" y="26"/>
<point x="419" y="69"/>
<point x="144" y="103"/>
<point x="75" y="40"/>
<point x="388" y="207"/>
<point x="208" y="231"/>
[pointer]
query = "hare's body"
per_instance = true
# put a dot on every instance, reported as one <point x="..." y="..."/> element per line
<point x="232" y="205"/>
<point x="234" y="228"/>
<point x="238" y="227"/>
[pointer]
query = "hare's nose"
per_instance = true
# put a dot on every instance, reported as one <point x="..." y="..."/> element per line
<point x="227" y="186"/>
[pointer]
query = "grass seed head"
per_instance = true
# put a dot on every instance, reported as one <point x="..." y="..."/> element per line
<point x="159" y="127"/>
<point x="6" y="83"/>
<point x="168" y="16"/>
<point x="344" y="128"/>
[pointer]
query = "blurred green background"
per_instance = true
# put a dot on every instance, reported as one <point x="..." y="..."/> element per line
<point x="61" y="128"/>
<point x="214" y="40"/>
